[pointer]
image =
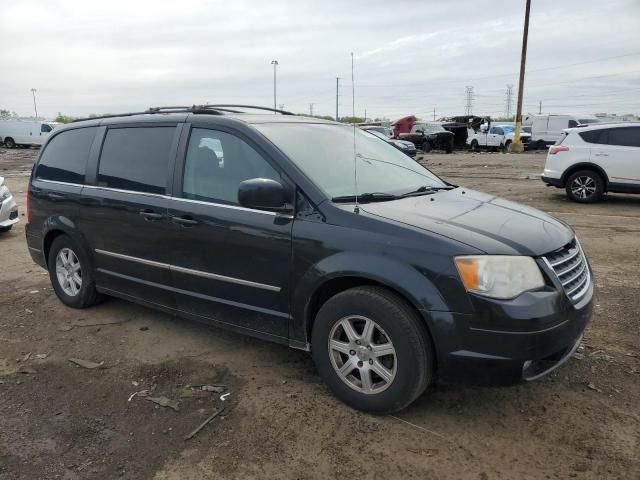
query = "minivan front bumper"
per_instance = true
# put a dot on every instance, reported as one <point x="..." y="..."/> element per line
<point x="507" y="342"/>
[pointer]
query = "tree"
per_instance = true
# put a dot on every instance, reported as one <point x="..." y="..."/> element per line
<point x="63" y="118"/>
<point x="352" y="119"/>
<point x="6" y="114"/>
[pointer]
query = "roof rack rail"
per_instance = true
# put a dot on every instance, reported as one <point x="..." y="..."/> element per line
<point x="200" y="109"/>
<point x="253" y="107"/>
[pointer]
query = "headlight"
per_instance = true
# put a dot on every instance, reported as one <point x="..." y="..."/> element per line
<point x="401" y="145"/>
<point x="499" y="276"/>
<point x="4" y="193"/>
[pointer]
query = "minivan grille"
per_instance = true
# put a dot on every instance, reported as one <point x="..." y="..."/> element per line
<point x="570" y="266"/>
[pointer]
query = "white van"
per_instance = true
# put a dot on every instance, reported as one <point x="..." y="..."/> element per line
<point x="24" y="133"/>
<point x="548" y="129"/>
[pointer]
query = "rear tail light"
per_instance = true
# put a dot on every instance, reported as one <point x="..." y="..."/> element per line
<point x="28" y="204"/>
<point x="558" y="148"/>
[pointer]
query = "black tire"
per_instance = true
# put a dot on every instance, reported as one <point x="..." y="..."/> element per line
<point x="5" y="229"/>
<point x="86" y="295"/>
<point x="540" y="145"/>
<point x="475" y="146"/>
<point x="585" y="186"/>
<point x="9" y="143"/>
<point x="413" y="361"/>
<point x="507" y="144"/>
<point x="427" y="147"/>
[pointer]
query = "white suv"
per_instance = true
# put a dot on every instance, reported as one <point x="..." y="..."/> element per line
<point x="590" y="161"/>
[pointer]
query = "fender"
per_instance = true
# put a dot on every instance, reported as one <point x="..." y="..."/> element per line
<point x="61" y="223"/>
<point x="586" y="165"/>
<point x="413" y="285"/>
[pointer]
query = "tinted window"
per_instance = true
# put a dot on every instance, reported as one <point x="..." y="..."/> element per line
<point x="573" y="124"/>
<point x="65" y="157"/>
<point x="44" y="128"/>
<point x="595" y="136"/>
<point x="217" y="162"/>
<point x="626" y="136"/>
<point x="136" y="159"/>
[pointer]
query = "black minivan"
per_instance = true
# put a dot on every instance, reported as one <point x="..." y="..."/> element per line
<point x="309" y="233"/>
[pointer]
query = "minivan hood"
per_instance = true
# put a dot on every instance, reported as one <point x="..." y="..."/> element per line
<point x="486" y="222"/>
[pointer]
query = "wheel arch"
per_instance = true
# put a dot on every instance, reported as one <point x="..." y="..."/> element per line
<point x="57" y="225"/>
<point x="585" y="166"/>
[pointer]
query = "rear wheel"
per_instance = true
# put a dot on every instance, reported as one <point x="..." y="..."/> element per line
<point x="426" y="146"/>
<point x="372" y="350"/>
<point x="9" y="143"/>
<point x="585" y="186"/>
<point x="540" y="145"/>
<point x="70" y="274"/>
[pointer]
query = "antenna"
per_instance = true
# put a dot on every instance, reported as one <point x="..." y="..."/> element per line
<point x="356" y="209"/>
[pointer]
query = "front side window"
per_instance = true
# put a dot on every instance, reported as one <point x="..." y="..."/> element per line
<point x="136" y="159"/>
<point x="572" y="124"/>
<point x="217" y="162"/>
<point x="44" y="128"/>
<point x="65" y="157"/>
<point x="325" y="152"/>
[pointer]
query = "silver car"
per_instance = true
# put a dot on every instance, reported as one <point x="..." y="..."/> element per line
<point x="8" y="208"/>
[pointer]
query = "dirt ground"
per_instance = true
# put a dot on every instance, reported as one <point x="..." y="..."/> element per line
<point x="59" y="420"/>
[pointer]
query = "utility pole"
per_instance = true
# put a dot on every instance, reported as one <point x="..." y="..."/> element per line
<point x="275" y="65"/>
<point x="516" y="146"/>
<point x="508" y="101"/>
<point x="35" y="106"/>
<point x="337" y="95"/>
<point x="311" y="109"/>
<point x="540" y="108"/>
<point x="468" y="92"/>
<point x="434" y="114"/>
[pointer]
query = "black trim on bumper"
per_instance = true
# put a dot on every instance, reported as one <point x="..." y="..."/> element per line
<point x="555" y="182"/>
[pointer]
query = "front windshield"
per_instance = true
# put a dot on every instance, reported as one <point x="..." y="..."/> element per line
<point x="432" y="128"/>
<point x="325" y="153"/>
<point x="377" y="134"/>
<point x="507" y="128"/>
<point x="584" y="121"/>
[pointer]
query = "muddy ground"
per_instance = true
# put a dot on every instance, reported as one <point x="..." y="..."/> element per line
<point x="59" y="420"/>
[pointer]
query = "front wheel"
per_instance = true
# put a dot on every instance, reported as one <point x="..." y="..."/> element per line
<point x="372" y="350"/>
<point x="427" y="147"/>
<point x="475" y="146"/>
<point x="507" y="144"/>
<point x="5" y="229"/>
<point x="585" y="186"/>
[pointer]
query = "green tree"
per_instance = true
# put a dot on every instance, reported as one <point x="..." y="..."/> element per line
<point x="63" y="118"/>
<point x="6" y="114"/>
<point x="352" y="119"/>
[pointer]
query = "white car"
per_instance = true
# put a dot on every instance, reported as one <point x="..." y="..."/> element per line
<point x="496" y="136"/>
<point x="8" y="208"/>
<point x="591" y="161"/>
<point x="16" y="133"/>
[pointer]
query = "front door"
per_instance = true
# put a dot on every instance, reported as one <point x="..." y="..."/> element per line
<point x="620" y="157"/>
<point x="230" y="264"/>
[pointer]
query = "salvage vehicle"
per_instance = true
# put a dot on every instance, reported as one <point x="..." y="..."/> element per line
<point x="24" y="133"/>
<point x="495" y="137"/>
<point x="311" y="234"/>
<point x="405" y="147"/>
<point x="8" y="208"/>
<point x="548" y="129"/>
<point x="429" y="136"/>
<point x="593" y="160"/>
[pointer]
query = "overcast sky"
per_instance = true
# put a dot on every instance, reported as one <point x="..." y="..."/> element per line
<point x="410" y="56"/>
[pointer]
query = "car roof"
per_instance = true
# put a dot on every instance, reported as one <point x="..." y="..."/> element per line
<point x="601" y="125"/>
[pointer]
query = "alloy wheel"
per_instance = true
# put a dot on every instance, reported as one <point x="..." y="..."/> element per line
<point x="68" y="272"/>
<point x="583" y="187"/>
<point x="362" y="354"/>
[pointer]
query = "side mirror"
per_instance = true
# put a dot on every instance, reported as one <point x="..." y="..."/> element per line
<point x="263" y="194"/>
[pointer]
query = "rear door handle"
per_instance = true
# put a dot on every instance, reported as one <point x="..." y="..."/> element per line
<point x="602" y="154"/>
<point x="185" y="221"/>
<point x="151" y="215"/>
<point x="56" y="196"/>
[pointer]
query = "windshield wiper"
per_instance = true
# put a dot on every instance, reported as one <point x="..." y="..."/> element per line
<point x="366" y="197"/>
<point x="425" y="190"/>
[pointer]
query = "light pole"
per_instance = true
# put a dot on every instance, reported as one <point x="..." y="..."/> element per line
<point x="516" y="146"/>
<point x="275" y="65"/>
<point x="35" y="106"/>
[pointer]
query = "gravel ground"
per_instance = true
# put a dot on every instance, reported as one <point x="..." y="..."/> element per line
<point x="59" y="420"/>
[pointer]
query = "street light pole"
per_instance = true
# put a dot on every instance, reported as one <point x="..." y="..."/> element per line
<point x="516" y="146"/>
<point x="35" y="106"/>
<point x="275" y="64"/>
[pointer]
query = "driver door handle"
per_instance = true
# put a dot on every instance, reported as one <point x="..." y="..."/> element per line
<point x="151" y="215"/>
<point x="185" y="221"/>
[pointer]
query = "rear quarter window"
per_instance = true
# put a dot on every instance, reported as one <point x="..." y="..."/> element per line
<point x="136" y="159"/>
<point x="595" y="136"/>
<point x="64" y="159"/>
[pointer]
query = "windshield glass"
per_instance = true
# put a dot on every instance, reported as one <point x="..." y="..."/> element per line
<point x="431" y="128"/>
<point x="325" y="153"/>
<point x="377" y="134"/>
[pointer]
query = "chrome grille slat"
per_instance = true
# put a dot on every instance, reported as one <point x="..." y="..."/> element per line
<point x="570" y="267"/>
<point x="566" y="282"/>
